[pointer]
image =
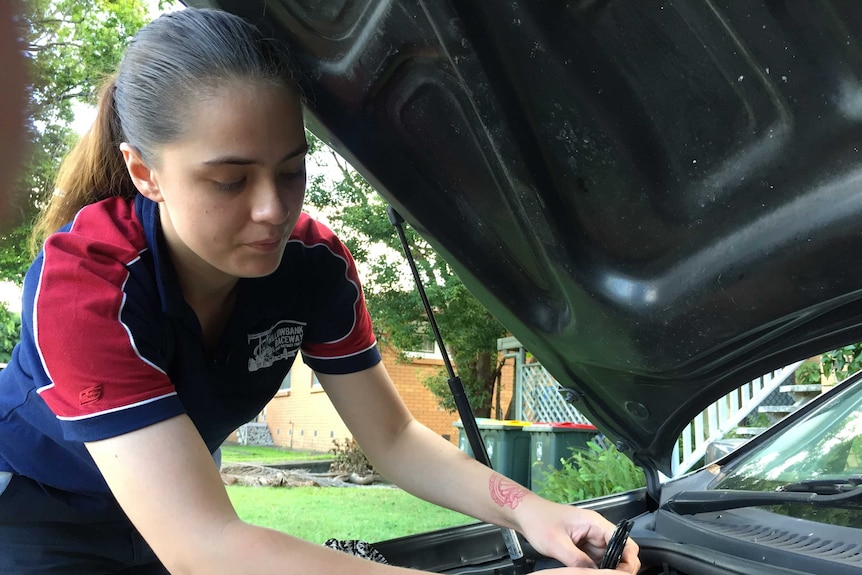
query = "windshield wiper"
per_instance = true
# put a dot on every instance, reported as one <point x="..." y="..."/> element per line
<point x="691" y="502"/>
<point x="824" y="486"/>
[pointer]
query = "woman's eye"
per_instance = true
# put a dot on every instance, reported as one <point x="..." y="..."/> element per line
<point x="234" y="186"/>
<point x="288" y="177"/>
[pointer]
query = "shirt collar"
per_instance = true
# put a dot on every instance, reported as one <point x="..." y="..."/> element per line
<point x="166" y="276"/>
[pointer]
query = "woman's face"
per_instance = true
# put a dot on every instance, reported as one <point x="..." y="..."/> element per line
<point x="231" y="190"/>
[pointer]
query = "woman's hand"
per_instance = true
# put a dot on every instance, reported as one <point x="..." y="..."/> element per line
<point x="583" y="571"/>
<point x="575" y="537"/>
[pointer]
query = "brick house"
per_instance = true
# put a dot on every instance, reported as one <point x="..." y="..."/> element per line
<point x="301" y="417"/>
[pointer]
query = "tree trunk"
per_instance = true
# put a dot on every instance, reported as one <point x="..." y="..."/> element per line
<point x="485" y="376"/>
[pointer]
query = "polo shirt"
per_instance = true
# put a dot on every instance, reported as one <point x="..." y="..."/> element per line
<point x="109" y="345"/>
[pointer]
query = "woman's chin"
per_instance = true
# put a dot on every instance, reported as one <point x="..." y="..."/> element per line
<point x="256" y="269"/>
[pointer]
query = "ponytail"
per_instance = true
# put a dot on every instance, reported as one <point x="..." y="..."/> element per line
<point x="93" y="170"/>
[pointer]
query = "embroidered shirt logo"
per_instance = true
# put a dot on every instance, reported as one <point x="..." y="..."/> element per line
<point x="90" y="395"/>
<point x="281" y="341"/>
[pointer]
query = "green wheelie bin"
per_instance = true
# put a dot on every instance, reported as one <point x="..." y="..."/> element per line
<point x="507" y="443"/>
<point x="551" y="442"/>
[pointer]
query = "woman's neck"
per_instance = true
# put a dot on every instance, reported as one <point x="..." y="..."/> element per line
<point x="210" y="292"/>
<point x="213" y="315"/>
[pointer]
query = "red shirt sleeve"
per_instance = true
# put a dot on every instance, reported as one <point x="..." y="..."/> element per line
<point x="88" y="318"/>
<point x="339" y="338"/>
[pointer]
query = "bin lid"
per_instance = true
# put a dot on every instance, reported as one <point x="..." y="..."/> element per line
<point x="480" y="420"/>
<point x="504" y="424"/>
<point x="562" y="426"/>
<point x="488" y="423"/>
<point x="571" y="425"/>
<point x="539" y="427"/>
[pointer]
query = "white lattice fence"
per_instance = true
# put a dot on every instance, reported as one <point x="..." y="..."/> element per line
<point x="541" y="399"/>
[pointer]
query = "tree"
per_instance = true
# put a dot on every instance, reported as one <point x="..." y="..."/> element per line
<point x="469" y="331"/>
<point x="71" y="45"/>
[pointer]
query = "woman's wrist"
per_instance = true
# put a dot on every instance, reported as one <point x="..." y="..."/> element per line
<point x="513" y="500"/>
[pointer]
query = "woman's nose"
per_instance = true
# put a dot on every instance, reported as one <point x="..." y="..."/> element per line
<point x="269" y="205"/>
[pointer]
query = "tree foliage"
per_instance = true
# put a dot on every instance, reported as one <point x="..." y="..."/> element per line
<point x="70" y="45"/>
<point x="842" y="362"/>
<point x="469" y="331"/>
<point x="10" y="332"/>
<point x="839" y="364"/>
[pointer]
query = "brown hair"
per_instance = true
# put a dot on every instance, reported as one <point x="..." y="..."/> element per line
<point x="176" y="60"/>
<point x="93" y="170"/>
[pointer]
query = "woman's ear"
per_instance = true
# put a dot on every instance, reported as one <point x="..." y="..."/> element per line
<point x="142" y="176"/>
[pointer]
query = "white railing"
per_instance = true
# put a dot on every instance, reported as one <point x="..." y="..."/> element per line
<point x="723" y="416"/>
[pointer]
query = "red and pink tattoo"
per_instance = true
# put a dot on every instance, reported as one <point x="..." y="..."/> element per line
<point x="505" y="492"/>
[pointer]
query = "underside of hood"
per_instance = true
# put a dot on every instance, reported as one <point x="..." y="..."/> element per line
<point x="660" y="200"/>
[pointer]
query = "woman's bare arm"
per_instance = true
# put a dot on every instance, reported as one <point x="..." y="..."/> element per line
<point x="165" y="479"/>
<point x="409" y="454"/>
<point x="420" y="461"/>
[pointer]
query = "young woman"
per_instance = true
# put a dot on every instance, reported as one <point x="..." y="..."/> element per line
<point x="167" y="309"/>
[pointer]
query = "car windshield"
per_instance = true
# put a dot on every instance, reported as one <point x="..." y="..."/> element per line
<point x="826" y="444"/>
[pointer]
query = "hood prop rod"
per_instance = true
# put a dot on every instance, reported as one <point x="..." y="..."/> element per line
<point x="456" y="386"/>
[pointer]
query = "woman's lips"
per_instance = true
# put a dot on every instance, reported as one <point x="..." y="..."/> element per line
<point x="268" y="245"/>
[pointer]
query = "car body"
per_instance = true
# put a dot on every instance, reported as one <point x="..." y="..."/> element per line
<point x="658" y="199"/>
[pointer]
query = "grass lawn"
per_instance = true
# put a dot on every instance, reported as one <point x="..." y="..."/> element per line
<point x="260" y="454"/>
<point x="318" y="513"/>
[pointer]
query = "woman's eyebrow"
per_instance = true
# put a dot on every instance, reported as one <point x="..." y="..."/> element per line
<point x="241" y="161"/>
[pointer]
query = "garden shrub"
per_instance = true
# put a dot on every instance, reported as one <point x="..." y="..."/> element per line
<point x="590" y="473"/>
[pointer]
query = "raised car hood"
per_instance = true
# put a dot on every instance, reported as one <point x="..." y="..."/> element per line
<point x="661" y="200"/>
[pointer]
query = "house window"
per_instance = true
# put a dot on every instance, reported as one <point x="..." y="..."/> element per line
<point x="428" y="349"/>
<point x="285" y="383"/>
<point x="428" y="346"/>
